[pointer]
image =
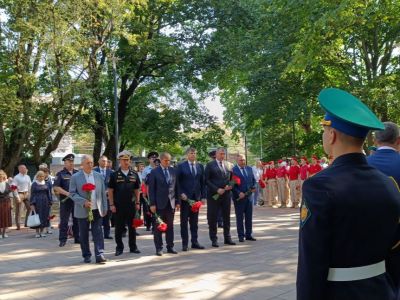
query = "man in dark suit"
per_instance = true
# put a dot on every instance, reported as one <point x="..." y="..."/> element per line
<point x="387" y="158"/>
<point x="242" y="198"/>
<point x="163" y="201"/>
<point x="190" y="180"/>
<point x="217" y="176"/>
<point x="105" y="172"/>
<point x="349" y="215"/>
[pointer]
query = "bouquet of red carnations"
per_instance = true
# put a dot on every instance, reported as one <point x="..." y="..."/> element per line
<point x="235" y="180"/>
<point x="89" y="188"/>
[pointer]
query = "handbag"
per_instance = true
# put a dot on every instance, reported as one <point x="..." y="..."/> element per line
<point x="33" y="220"/>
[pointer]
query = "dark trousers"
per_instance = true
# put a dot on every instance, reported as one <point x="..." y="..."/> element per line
<point x="244" y="209"/>
<point x="147" y="215"/>
<point x="67" y="209"/>
<point x="167" y="215"/>
<point x="97" y="234"/>
<point x="106" y="224"/>
<point x="193" y="218"/>
<point x="121" y="218"/>
<point x="219" y="218"/>
<point x="223" y="203"/>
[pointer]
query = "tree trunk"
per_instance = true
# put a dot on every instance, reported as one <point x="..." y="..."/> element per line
<point x="2" y="144"/>
<point x="98" y="135"/>
<point x="126" y="93"/>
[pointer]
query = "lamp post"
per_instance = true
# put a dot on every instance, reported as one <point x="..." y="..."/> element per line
<point x="261" y="144"/>
<point x="116" y="133"/>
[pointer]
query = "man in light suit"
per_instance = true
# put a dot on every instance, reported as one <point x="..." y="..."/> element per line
<point x="217" y="176"/>
<point x="97" y="203"/>
<point x="163" y="201"/>
<point x="242" y="198"/>
<point x="190" y="178"/>
<point x="105" y="172"/>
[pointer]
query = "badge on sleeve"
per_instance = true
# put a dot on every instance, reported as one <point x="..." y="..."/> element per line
<point x="305" y="213"/>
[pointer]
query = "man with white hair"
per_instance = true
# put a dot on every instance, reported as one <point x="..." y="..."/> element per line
<point x="90" y="207"/>
<point x="23" y="183"/>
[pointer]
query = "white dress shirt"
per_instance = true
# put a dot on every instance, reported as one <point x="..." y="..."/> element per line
<point x="90" y="179"/>
<point x="23" y="182"/>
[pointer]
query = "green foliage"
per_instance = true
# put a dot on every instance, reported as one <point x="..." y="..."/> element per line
<point x="270" y="60"/>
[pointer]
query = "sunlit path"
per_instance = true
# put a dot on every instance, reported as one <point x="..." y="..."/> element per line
<point x="266" y="269"/>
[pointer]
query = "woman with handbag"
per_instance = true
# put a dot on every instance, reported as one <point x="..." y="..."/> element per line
<point x="40" y="202"/>
<point x="5" y="204"/>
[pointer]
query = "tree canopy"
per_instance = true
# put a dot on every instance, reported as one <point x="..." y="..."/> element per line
<point x="266" y="60"/>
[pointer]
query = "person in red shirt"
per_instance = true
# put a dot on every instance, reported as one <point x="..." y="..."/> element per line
<point x="271" y="180"/>
<point x="303" y="172"/>
<point x="315" y="167"/>
<point x="281" y="177"/>
<point x="264" y="178"/>
<point x="294" y="172"/>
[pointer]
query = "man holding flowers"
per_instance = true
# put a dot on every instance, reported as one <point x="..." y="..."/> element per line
<point x="218" y="175"/>
<point x="242" y="198"/>
<point x="163" y="202"/>
<point x="87" y="190"/>
<point x="124" y="197"/>
<point x="191" y="190"/>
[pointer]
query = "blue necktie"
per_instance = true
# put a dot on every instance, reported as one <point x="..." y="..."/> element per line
<point x="244" y="173"/>
<point x="192" y="169"/>
<point x="166" y="174"/>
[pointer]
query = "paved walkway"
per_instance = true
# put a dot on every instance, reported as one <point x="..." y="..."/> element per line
<point x="266" y="269"/>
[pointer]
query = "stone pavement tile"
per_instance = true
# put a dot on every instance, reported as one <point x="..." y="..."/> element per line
<point x="265" y="269"/>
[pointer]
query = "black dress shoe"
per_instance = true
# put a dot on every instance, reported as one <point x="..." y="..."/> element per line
<point x="197" y="246"/>
<point x="148" y="229"/>
<point x="215" y="244"/>
<point x="77" y="241"/>
<point x="118" y="252"/>
<point x="220" y="226"/>
<point x="100" y="259"/>
<point x="229" y="242"/>
<point x="251" y="239"/>
<point x="87" y="260"/>
<point x="62" y="243"/>
<point x="137" y="233"/>
<point x="185" y="248"/>
<point x="108" y="237"/>
<point x="159" y="253"/>
<point x="241" y="240"/>
<point x="137" y="251"/>
<point x="172" y="251"/>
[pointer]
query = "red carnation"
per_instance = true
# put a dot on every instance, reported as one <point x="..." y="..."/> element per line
<point x="162" y="227"/>
<point x="13" y="187"/>
<point x="196" y="206"/>
<point x="88" y="187"/>
<point x="143" y="188"/>
<point x="236" y="179"/>
<point x="137" y="221"/>
<point x="262" y="184"/>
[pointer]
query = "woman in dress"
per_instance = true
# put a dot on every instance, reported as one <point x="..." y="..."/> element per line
<point x="40" y="201"/>
<point x="5" y="204"/>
